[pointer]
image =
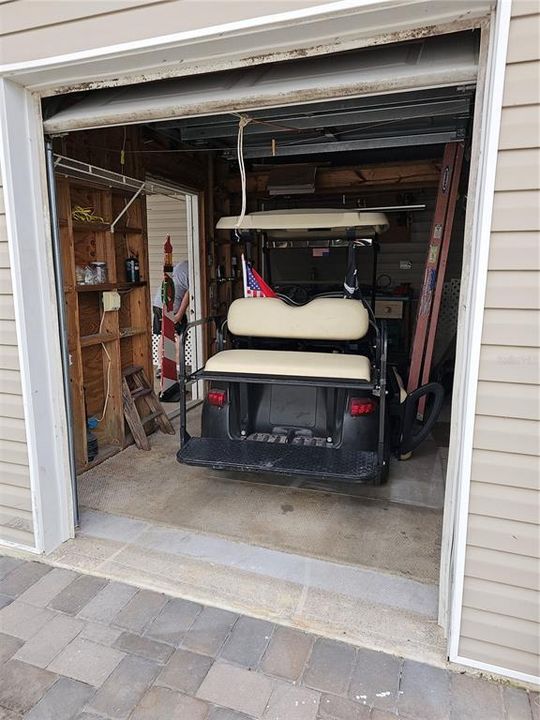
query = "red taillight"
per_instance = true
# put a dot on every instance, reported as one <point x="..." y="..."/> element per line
<point x="361" y="406"/>
<point x="217" y="397"/>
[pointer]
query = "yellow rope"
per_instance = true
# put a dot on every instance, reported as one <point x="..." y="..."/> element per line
<point x="85" y="215"/>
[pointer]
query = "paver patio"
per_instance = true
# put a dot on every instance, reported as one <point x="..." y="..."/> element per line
<point x="74" y="647"/>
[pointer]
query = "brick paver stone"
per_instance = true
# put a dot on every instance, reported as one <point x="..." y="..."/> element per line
<point x="86" y="661"/>
<point x="124" y="687"/>
<point x="22" y="685"/>
<point x="287" y="653"/>
<point x="62" y="701"/>
<point x="185" y="671"/>
<point x="329" y="667"/>
<point x="236" y="688"/>
<point x="375" y="679"/>
<point x="140" y="611"/>
<point x="7" y="564"/>
<point x="172" y="622"/>
<point x="53" y="637"/>
<point x="217" y="713"/>
<point x="247" y="642"/>
<point x="143" y="646"/>
<point x="8" y="646"/>
<point x="164" y="703"/>
<point x="333" y="707"/>
<point x="385" y="715"/>
<point x="209" y="631"/>
<point x="46" y="588"/>
<point x="5" y="600"/>
<point x="424" y="692"/>
<point x="292" y="702"/>
<point x="101" y="634"/>
<point x="74" y="597"/>
<point x="21" y="577"/>
<point x="474" y="699"/>
<point x="108" y="602"/>
<point x="22" y="620"/>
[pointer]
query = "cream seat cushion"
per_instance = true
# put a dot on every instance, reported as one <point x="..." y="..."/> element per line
<point x="290" y="363"/>
<point x="334" y="319"/>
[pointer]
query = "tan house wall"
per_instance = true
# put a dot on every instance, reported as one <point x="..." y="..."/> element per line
<point x="15" y="498"/>
<point x="500" y="621"/>
<point x="165" y="216"/>
<point x="35" y="29"/>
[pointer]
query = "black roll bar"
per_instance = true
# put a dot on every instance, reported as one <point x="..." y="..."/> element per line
<point x="183" y="377"/>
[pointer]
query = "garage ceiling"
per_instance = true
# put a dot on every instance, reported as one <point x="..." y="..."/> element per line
<point x="427" y="117"/>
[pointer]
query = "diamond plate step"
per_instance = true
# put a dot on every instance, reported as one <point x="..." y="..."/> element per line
<point x="244" y="455"/>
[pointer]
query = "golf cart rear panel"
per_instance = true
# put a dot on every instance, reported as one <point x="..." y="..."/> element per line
<point x="301" y="390"/>
<point x="313" y="411"/>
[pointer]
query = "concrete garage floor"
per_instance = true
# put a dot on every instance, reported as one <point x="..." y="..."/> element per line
<point x="355" y="563"/>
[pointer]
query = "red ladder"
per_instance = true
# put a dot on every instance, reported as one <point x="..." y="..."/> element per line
<point x="432" y="286"/>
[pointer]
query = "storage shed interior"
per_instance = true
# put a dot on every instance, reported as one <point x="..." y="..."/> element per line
<point x="380" y="151"/>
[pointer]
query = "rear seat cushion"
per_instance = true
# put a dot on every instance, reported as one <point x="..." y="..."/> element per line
<point x="335" y="319"/>
<point x="291" y="364"/>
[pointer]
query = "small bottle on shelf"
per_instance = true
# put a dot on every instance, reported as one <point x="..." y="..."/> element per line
<point x="133" y="273"/>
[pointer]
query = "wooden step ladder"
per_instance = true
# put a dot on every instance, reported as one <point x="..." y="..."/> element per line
<point x="135" y="386"/>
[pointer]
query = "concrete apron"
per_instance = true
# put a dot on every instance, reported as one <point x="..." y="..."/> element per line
<point x="358" y="569"/>
<point x="357" y="605"/>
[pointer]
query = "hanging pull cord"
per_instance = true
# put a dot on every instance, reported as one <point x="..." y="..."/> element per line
<point x="243" y="121"/>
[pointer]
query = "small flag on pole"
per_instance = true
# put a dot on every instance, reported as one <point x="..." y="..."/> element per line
<point x="254" y="285"/>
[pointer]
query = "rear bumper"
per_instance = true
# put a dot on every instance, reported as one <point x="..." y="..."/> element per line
<point x="248" y="456"/>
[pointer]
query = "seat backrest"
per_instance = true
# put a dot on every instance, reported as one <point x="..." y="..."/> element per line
<point x="336" y="319"/>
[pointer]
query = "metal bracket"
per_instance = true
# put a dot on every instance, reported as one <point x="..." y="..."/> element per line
<point x="114" y="222"/>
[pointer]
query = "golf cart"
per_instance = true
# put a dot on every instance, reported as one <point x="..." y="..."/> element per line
<point x="305" y="389"/>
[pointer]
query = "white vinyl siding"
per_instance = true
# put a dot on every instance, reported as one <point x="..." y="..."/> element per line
<point x="165" y="216"/>
<point x="500" y="623"/>
<point x="16" y="522"/>
<point x="35" y="29"/>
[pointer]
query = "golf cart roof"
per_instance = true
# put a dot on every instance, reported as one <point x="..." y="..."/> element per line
<point x="309" y="219"/>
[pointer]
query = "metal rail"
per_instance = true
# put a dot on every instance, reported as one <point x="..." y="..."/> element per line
<point x="60" y="301"/>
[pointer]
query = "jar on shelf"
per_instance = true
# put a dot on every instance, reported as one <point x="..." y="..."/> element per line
<point x="100" y="272"/>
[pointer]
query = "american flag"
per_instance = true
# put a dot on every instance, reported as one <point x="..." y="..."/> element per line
<point x="254" y="285"/>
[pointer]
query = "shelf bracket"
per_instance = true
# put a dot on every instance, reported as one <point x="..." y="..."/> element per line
<point x="114" y="222"/>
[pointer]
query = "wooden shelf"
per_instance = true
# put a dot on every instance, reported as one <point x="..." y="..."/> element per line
<point x="96" y="339"/>
<point x="101" y="227"/>
<point x="110" y="286"/>
<point x="101" y="344"/>
<point x="128" y="229"/>
<point x="93" y="226"/>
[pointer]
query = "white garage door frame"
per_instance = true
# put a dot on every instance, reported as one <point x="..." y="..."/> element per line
<point x="22" y="160"/>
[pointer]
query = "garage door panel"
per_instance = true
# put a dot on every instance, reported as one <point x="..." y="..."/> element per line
<point x="433" y="62"/>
